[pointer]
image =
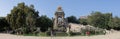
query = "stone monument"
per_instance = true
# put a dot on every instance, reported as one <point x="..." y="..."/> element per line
<point x="60" y="23"/>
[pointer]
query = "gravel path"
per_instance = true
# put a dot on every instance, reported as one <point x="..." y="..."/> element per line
<point x="114" y="35"/>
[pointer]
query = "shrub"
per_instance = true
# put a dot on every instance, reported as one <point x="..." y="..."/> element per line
<point x="61" y="34"/>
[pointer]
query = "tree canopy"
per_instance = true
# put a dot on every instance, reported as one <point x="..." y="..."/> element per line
<point x="99" y="19"/>
<point x="21" y="14"/>
<point x="44" y="23"/>
<point x="4" y="25"/>
<point x="72" y="19"/>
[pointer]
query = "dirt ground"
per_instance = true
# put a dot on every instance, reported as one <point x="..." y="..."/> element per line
<point x="113" y="35"/>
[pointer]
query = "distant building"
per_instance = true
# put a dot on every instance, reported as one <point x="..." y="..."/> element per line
<point x="83" y="17"/>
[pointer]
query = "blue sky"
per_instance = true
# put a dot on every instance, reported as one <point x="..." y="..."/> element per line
<point x="71" y="7"/>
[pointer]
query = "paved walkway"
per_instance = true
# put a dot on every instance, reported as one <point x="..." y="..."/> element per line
<point x="114" y="35"/>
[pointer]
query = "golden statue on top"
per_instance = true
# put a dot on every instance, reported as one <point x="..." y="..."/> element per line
<point x="59" y="8"/>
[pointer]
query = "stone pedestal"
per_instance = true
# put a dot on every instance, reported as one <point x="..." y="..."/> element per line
<point x="60" y="23"/>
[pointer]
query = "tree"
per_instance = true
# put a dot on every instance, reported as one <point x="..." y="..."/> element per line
<point x="72" y="19"/>
<point x="83" y="21"/>
<point x="44" y="23"/>
<point x="100" y="20"/>
<point x="107" y="18"/>
<point x="22" y="16"/>
<point x="4" y="26"/>
<point x="115" y="23"/>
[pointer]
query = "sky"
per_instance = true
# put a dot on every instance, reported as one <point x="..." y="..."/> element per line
<point x="70" y="7"/>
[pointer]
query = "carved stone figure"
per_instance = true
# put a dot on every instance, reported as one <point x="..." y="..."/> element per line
<point x="60" y="23"/>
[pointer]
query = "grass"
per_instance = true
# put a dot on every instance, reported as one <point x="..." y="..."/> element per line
<point x="62" y="34"/>
<point x="39" y="34"/>
<point x="30" y="34"/>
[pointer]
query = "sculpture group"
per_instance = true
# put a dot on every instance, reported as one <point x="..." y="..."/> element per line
<point x="60" y="23"/>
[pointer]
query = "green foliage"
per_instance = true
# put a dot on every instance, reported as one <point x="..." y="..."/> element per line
<point x="75" y="34"/>
<point x="105" y="21"/>
<point x="44" y="23"/>
<point x="72" y="19"/>
<point x="100" y="20"/>
<point x="61" y="34"/>
<point x="4" y="25"/>
<point x="22" y="16"/>
<point x="115" y="23"/>
<point x="30" y="34"/>
<point x="43" y="34"/>
<point x="83" y="21"/>
<point x="25" y="17"/>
